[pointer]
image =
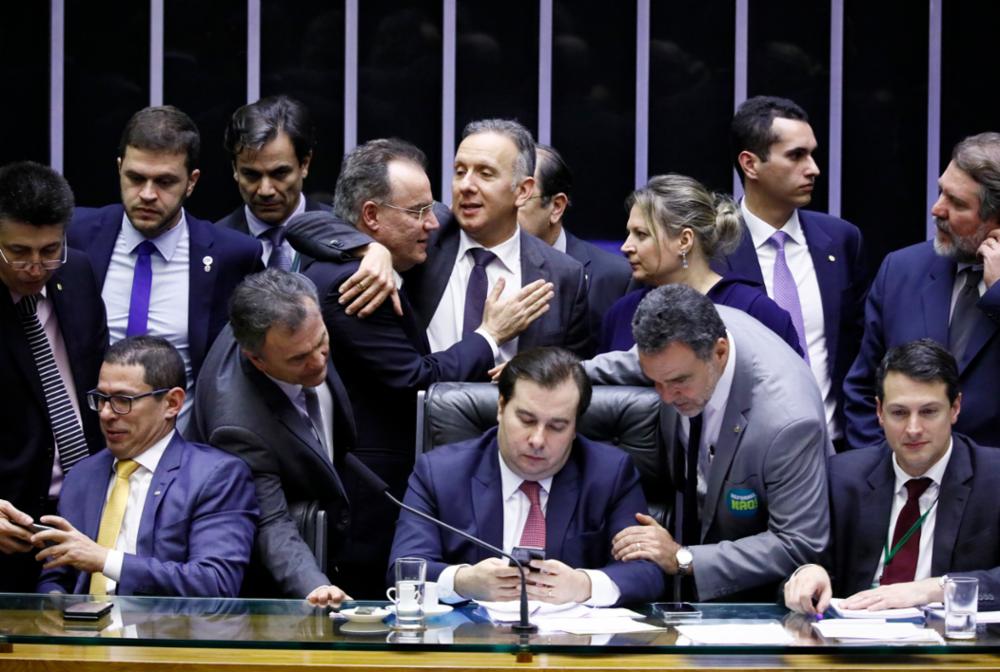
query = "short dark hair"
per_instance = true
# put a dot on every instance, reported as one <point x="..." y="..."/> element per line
<point x="162" y="364"/>
<point x="364" y="174"/>
<point x="256" y="124"/>
<point x="162" y="129"/>
<point x="524" y="160"/>
<point x="34" y="194"/>
<point x="677" y="314"/>
<point x="751" y="126"/>
<point x="924" y="360"/>
<point x="554" y="175"/>
<point x="547" y="367"/>
<point x="263" y="300"/>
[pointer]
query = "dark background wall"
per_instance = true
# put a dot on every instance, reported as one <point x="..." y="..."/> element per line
<point x="695" y="67"/>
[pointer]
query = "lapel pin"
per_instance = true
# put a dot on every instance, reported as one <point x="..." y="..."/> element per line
<point x="832" y="258"/>
<point x="59" y="286"/>
<point x="156" y="494"/>
<point x="207" y="260"/>
<point x="736" y="429"/>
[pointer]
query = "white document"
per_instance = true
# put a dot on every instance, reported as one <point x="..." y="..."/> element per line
<point x="874" y="630"/>
<point x="736" y="633"/>
<point x="510" y="611"/>
<point x="911" y="612"/>
<point x="592" y="625"/>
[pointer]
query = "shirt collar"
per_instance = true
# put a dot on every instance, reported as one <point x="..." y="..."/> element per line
<point x="935" y="473"/>
<point x="398" y="278"/>
<point x="166" y="243"/>
<point x="291" y="390"/>
<point x="15" y="297"/>
<point x="761" y="231"/>
<point x="258" y="227"/>
<point x="560" y="244"/>
<point x="150" y="458"/>
<point x="511" y="482"/>
<point x="720" y="396"/>
<point x="508" y="252"/>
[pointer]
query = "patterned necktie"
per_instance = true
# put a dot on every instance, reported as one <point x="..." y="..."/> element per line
<point x="533" y="533"/>
<point x="903" y="565"/>
<point x="786" y="294"/>
<point x="142" y="285"/>
<point x="963" y="317"/>
<point x="111" y="519"/>
<point x="691" y="532"/>
<point x="279" y="258"/>
<point x="475" y="295"/>
<point x="65" y="426"/>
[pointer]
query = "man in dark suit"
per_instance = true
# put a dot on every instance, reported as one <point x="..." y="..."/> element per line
<point x="52" y="338"/>
<point x="162" y="271"/>
<point x="608" y="275"/>
<point x="530" y="482"/>
<point x="271" y="144"/>
<point x="773" y="145"/>
<point x="923" y="476"/>
<point x="945" y="289"/>
<point x="385" y="359"/>
<point x="152" y="514"/>
<point x="253" y="400"/>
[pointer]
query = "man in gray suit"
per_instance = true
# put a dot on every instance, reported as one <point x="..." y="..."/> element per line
<point x="272" y="397"/>
<point x="751" y="491"/>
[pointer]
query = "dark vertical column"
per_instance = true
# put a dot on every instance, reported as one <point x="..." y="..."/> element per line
<point x="24" y="61"/>
<point x="970" y="100"/>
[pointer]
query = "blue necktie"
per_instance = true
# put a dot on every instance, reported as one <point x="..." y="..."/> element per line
<point x="279" y="258"/>
<point x="142" y="285"/>
<point x="475" y="295"/>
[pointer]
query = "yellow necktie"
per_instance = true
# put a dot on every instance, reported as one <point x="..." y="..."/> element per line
<point x="111" y="519"/>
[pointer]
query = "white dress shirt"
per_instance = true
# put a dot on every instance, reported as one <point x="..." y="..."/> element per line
<point x="138" y="487"/>
<point x="168" y="296"/>
<point x="325" y="398"/>
<point x="258" y="227"/>
<point x="711" y="421"/>
<point x="560" y="244"/>
<point x="516" y="506"/>
<point x="445" y="328"/>
<point x="46" y="314"/>
<point x="800" y="264"/>
<point x="926" y="501"/>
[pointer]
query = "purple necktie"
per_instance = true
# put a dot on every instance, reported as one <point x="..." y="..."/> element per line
<point x="475" y="295"/>
<point x="786" y="294"/>
<point x="142" y="283"/>
<point x="279" y="258"/>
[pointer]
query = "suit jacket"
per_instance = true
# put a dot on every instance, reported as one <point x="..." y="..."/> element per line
<point x="835" y="246"/>
<point x="196" y="530"/>
<point x="234" y="257"/>
<point x="594" y="496"/>
<point x="607" y="275"/>
<point x="765" y="511"/>
<point x="566" y="322"/>
<point x="237" y="219"/>
<point x="910" y="299"/>
<point x="966" y="533"/>
<point x="26" y="443"/>
<point x="239" y="409"/>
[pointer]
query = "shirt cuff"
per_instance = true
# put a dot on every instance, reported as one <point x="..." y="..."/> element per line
<point x="489" y="341"/>
<point x="603" y="591"/>
<point x="113" y="565"/>
<point x="446" y="585"/>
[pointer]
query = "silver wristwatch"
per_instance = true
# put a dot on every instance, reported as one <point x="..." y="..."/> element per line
<point x="684" y="560"/>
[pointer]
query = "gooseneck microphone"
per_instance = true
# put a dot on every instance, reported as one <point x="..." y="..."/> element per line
<point x="378" y="485"/>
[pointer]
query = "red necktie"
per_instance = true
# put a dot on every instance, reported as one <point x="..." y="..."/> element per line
<point x="903" y="565"/>
<point x="534" y="527"/>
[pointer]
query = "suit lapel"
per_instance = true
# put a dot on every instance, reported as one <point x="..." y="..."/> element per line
<point x="485" y="492"/>
<point x="874" y="507"/>
<point x="744" y="260"/>
<point x="163" y="478"/>
<point x="14" y="338"/>
<point x="983" y="331"/>
<point x="96" y="495"/>
<point x="956" y="486"/>
<point x="936" y="298"/>
<point x="825" y="264"/>
<point x="431" y="278"/>
<point x="102" y="245"/>
<point x="201" y="286"/>
<point x="576" y="249"/>
<point x="533" y="268"/>
<point x="561" y="506"/>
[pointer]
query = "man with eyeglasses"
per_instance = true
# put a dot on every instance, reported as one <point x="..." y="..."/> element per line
<point x="152" y="514"/>
<point x="383" y="190"/>
<point x="52" y="337"/>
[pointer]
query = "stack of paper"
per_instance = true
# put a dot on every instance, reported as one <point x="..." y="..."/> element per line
<point x="737" y="633"/>
<point x="837" y="604"/>
<point x="875" y="630"/>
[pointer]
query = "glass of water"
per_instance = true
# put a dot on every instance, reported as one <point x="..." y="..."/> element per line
<point x="961" y="598"/>
<point x="408" y="593"/>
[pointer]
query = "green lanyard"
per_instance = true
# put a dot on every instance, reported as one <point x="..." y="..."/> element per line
<point x="888" y="555"/>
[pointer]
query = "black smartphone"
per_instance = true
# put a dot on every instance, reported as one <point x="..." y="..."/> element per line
<point x="676" y="611"/>
<point x="86" y="611"/>
<point x="38" y="527"/>
<point x="525" y="554"/>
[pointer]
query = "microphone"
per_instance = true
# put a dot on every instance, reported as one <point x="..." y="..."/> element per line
<point x="372" y="480"/>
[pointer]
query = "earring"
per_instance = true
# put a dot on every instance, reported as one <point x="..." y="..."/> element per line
<point x="684" y="259"/>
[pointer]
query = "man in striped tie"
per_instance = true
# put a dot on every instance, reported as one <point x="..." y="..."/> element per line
<point x="531" y="482"/>
<point x="52" y="338"/>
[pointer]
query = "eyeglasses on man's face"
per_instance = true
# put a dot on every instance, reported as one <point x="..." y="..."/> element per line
<point x="48" y="261"/>
<point x="419" y="213"/>
<point x="120" y="403"/>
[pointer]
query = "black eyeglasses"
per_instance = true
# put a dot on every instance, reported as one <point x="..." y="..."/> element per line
<point x="120" y="403"/>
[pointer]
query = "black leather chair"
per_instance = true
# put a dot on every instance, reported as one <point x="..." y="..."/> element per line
<point x="627" y="417"/>
<point x="311" y="521"/>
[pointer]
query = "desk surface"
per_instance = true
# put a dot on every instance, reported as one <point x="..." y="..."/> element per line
<point x="196" y="634"/>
